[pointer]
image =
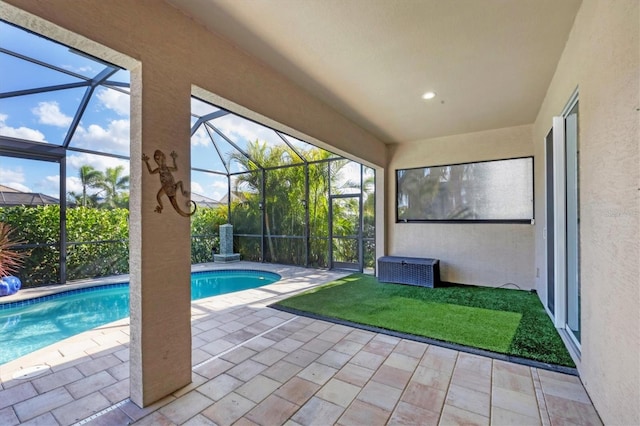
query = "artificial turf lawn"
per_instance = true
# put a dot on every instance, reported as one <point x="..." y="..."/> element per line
<point x="506" y="321"/>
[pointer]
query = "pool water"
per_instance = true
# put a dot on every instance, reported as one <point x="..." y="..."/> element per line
<point x="29" y="325"/>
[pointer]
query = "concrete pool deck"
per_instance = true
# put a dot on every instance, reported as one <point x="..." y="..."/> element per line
<point x="256" y="365"/>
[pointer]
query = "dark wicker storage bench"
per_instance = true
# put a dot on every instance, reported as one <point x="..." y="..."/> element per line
<point x="409" y="270"/>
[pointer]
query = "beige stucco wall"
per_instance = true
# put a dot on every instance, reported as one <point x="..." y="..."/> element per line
<point x="602" y="59"/>
<point x="171" y="57"/>
<point x="480" y="254"/>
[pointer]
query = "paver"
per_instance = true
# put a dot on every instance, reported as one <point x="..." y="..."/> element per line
<point x="301" y="371"/>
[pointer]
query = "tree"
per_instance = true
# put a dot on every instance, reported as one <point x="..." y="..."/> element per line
<point x="204" y="232"/>
<point x="114" y="188"/>
<point x="267" y="157"/>
<point x="285" y="201"/>
<point x="89" y="178"/>
<point x="77" y="199"/>
<point x="434" y="193"/>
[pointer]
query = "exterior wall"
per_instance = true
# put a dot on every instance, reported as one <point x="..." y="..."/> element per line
<point x="602" y="59"/>
<point x="479" y="254"/>
<point x="172" y="57"/>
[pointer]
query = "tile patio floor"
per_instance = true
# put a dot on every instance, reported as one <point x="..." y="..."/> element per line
<point x="255" y="365"/>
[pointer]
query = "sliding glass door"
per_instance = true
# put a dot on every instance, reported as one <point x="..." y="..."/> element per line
<point x="563" y="222"/>
<point x="573" y="223"/>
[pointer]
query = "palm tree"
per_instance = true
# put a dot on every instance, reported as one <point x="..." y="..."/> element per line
<point x="418" y="192"/>
<point x="114" y="187"/>
<point x="78" y="199"/>
<point x="89" y="178"/>
<point x="284" y="210"/>
<point x="267" y="157"/>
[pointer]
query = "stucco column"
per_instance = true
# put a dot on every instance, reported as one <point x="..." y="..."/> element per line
<point x="160" y="266"/>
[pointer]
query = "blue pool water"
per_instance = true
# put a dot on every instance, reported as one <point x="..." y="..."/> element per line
<point x="32" y="324"/>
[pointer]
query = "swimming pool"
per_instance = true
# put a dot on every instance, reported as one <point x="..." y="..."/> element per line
<point x="28" y="325"/>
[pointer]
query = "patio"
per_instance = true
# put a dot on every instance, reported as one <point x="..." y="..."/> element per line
<point x="256" y="365"/>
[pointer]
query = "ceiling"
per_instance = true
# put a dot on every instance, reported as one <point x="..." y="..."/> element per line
<point x="490" y="62"/>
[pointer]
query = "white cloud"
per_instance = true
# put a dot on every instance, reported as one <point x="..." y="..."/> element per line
<point x="114" y="100"/>
<point x="215" y="190"/>
<point x="241" y="128"/>
<point x="196" y="188"/>
<point x="218" y="189"/>
<point x="19" y="132"/>
<point x="201" y="138"/>
<point x="73" y="184"/>
<point x="115" y="138"/>
<point x="218" y="184"/>
<point x="200" y="108"/>
<point x="50" y="185"/>
<point x="49" y="113"/>
<point x="14" y="178"/>
<point x="79" y="70"/>
<point x="98" y="162"/>
<point x="18" y="186"/>
<point x="16" y="175"/>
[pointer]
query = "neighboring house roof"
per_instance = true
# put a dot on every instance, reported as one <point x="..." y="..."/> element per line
<point x="235" y="196"/>
<point x="202" y="201"/>
<point x="4" y="188"/>
<point x="12" y="197"/>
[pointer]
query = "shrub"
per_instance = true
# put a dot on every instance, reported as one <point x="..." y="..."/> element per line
<point x="204" y="232"/>
<point x="10" y="259"/>
<point x="97" y="240"/>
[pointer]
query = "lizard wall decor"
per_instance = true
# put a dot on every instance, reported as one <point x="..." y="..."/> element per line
<point x="169" y="185"/>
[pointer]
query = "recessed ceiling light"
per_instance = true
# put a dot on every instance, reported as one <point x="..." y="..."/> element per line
<point x="429" y="95"/>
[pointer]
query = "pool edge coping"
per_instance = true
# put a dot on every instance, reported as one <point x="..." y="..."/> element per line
<point x="88" y="285"/>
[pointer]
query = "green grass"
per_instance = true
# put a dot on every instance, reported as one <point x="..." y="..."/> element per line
<point x="506" y="321"/>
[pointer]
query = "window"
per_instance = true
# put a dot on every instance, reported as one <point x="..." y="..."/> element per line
<point x="488" y="191"/>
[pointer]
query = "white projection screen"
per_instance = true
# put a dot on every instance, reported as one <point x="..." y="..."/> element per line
<point x="487" y="191"/>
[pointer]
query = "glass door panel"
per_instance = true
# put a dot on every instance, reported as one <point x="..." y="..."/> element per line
<point x="573" y="224"/>
<point x="369" y="219"/>
<point x="550" y="216"/>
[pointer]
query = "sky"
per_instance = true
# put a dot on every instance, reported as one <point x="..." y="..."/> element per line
<point x="104" y="125"/>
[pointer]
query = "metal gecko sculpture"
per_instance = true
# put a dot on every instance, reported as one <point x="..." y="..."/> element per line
<point x="169" y="185"/>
